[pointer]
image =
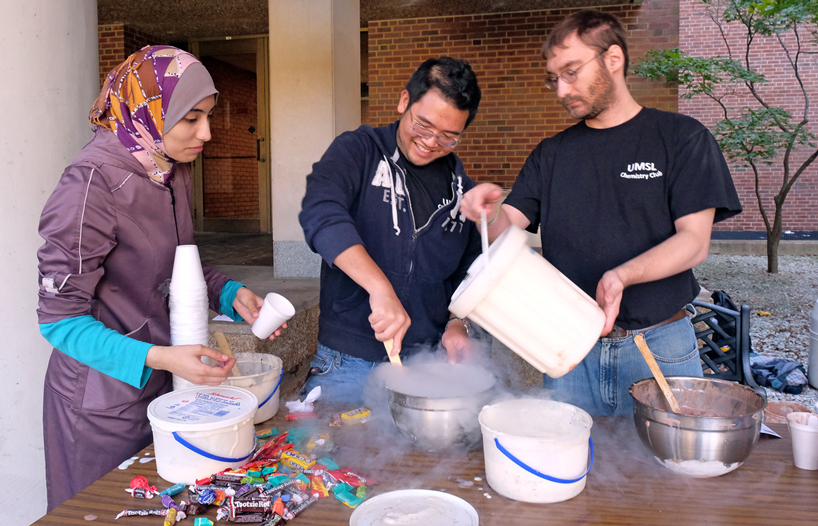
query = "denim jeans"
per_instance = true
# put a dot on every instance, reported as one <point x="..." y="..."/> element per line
<point x="342" y="377"/>
<point x="600" y="383"/>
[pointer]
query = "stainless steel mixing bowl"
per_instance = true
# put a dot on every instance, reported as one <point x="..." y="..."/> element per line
<point x="436" y="424"/>
<point x="700" y="446"/>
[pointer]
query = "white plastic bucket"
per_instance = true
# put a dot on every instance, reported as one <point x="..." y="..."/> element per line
<point x="261" y="375"/>
<point x="203" y="430"/>
<point x="536" y="450"/>
<point x="180" y="383"/>
<point x="529" y="305"/>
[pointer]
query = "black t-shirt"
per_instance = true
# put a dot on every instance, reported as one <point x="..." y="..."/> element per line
<point x="430" y="186"/>
<point x="604" y="196"/>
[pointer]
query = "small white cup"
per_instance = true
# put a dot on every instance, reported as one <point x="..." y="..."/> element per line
<point x="275" y="311"/>
<point x="804" y="439"/>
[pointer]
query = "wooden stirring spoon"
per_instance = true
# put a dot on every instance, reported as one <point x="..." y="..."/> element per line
<point x="394" y="359"/>
<point x="222" y="341"/>
<point x="657" y="373"/>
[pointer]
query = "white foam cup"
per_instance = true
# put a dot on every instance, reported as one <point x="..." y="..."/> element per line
<point x="275" y="311"/>
<point x="804" y="433"/>
<point x="187" y="268"/>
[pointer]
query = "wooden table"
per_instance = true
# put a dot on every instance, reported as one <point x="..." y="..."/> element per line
<point x="625" y="487"/>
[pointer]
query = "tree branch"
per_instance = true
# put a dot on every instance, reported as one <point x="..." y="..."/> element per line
<point x="800" y="170"/>
<point x="759" y="200"/>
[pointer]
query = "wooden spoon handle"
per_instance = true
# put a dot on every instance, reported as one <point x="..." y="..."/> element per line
<point x="222" y="341"/>
<point x="657" y="373"/>
<point x="394" y="359"/>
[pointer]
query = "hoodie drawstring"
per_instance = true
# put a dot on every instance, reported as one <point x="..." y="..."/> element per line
<point x="456" y="208"/>
<point x="394" y="201"/>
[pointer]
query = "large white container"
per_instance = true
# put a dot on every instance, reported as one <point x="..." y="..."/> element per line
<point x="536" y="450"/>
<point x="529" y="305"/>
<point x="261" y="375"/>
<point x="202" y="430"/>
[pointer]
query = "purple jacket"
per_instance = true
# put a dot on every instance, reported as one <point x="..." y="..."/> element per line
<point x="110" y="239"/>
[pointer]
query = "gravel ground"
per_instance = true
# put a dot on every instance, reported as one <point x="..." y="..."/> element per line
<point x="788" y="296"/>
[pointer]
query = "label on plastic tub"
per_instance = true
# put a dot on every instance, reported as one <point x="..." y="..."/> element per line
<point x="202" y="408"/>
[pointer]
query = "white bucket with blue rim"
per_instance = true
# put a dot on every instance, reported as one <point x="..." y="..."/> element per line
<point x="261" y="374"/>
<point x="202" y="430"/>
<point x="536" y="450"/>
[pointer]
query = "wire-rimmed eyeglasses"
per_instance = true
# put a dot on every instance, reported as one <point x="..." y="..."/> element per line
<point x="568" y="76"/>
<point x="425" y="133"/>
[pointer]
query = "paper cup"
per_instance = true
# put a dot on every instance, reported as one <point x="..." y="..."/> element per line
<point x="804" y="440"/>
<point x="187" y="268"/>
<point x="275" y="311"/>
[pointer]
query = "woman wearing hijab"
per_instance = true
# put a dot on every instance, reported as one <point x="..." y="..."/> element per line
<point x="111" y="228"/>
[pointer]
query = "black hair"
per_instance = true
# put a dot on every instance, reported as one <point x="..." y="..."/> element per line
<point x="594" y="29"/>
<point x="453" y="77"/>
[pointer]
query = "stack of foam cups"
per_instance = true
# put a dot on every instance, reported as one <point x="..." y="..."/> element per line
<point x="188" y="304"/>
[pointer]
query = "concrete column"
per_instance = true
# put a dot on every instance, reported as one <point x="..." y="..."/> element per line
<point x="50" y="78"/>
<point x="315" y="95"/>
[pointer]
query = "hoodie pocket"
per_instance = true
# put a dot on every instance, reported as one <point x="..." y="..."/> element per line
<point x="358" y="296"/>
<point x="105" y="394"/>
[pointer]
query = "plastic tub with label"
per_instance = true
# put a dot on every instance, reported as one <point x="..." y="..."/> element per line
<point x="202" y="430"/>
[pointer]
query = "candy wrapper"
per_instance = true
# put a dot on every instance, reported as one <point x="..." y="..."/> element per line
<point x="356" y="416"/>
<point x="142" y="513"/>
<point x="350" y="477"/>
<point x="140" y="493"/>
<point x="300" y="416"/>
<point x="168" y="502"/>
<point x="318" y="488"/>
<point x="274" y="520"/>
<point x="266" y="433"/>
<point x="345" y="494"/>
<point x="173" y="490"/>
<point x="318" y="445"/>
<point x="296" y="461"/>
<point x="142" y="482"/>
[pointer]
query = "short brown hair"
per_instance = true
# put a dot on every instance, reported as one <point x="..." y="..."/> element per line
<point x="594" y="29"/>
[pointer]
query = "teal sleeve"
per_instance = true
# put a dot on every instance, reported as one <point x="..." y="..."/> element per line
<point x="228" y="296"/>
<point x="89" y="341"/>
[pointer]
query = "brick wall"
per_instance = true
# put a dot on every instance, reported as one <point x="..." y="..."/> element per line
<point x="517" y="111"/>
<point x="231" y="185"/>
<point x="700" y="37"/>
<point x="116" y="43"/>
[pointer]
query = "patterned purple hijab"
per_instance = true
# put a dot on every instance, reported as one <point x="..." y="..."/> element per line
<point x="134" y="101"/>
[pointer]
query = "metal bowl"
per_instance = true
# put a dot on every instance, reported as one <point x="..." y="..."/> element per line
<point x="699" y="446"/>
<point x="442" y="422"/>
<point x="436" y="424"/>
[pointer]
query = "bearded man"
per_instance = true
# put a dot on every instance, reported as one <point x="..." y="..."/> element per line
<point x="625" y="201"/>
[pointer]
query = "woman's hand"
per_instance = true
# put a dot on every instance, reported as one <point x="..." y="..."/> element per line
<point x="186" y="361"/>
<point x="248" y="305"/>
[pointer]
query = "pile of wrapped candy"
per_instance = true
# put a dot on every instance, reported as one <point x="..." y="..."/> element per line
<point x="277" y="484"/>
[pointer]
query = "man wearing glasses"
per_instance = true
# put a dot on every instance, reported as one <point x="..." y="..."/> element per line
<point x="382" y="208"/>
<point x="625" y="201"/>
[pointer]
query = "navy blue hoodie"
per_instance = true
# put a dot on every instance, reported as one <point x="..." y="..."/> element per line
<point x="350" y="201"/>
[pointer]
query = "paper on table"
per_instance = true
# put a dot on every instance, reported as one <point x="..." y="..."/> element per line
<point x="222" y="317"/>
<point x="297" y="406"/>
<point x="768" y="431"/>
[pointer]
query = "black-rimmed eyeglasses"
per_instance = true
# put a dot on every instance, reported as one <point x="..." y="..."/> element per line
<point x="425" y="133"/>
<point x="568" y="76"/>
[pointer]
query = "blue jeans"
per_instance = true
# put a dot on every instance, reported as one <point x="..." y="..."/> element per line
<point x="342" y="377"/>
<point x="600" y="383"/>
